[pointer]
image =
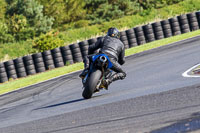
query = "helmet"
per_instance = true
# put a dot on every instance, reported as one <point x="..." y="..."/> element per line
<point x="113" y="32"/>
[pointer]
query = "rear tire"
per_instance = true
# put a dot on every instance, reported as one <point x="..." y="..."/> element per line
<point x="91" y="84"/>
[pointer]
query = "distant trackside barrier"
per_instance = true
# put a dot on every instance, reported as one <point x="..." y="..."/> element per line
<point x="73" y="53"/>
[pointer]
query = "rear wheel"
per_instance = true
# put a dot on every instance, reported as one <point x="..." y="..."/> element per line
<point x="91" y="84"/>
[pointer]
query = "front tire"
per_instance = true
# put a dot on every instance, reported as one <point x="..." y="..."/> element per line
<point x="91" y="84"/>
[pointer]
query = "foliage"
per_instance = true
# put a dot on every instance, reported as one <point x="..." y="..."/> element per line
<point x="5" y="37"/>
<point x="48" y="41"/>
<point x="149" y="4"/>
<point x="106" y="12"/>
<point x="103" y="10"/>
<point x="81" y="23"/>
<point x="54" y="9"/>
<point x="129" y="7"/>
<point x="17" y="23"/>
<point x="33" y="13"/>
<point x="93" y="5"/>
<point x="74" y="10"/>
<point x="64" y="11"/>
<point x="19" y="28"/>
<point x="3" y="6"/>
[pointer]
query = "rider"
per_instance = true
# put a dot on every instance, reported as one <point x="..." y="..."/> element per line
<point x="114" y="49"/>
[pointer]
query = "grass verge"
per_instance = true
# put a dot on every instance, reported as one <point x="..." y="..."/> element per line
<point x="22" y="82"/>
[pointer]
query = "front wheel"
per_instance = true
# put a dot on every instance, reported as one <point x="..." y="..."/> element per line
<point x="91" y="84"/>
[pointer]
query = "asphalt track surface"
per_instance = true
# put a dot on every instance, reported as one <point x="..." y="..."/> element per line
<point x="154" y="97"/>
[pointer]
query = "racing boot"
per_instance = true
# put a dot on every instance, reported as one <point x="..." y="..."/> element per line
<point x="84" y="73"/>
<point x="114" y="77"/>
<point x="106" y="83"/>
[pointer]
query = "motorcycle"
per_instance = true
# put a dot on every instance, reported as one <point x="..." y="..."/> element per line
<point x="98" y="71"/>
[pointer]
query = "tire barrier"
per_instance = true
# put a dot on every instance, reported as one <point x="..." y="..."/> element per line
<point x="175" y="26"/>
<point x="69" y="54"/>
<point x="48" y="60"/>
<point x="132" y="41"/>
<point x="76" y="53"/>
<point x="124" y="39"/>
<point x="29" y="65"/>
<point x="20" y="68"/>
<point x="10" y="69"/>
<point x="3" y="74"/>
<point x="158" y="31"/>
<point x="166" y="28"/>
<point x="184" y="25"/>
<point x="198" y="17"/>
<point x="92" y="40"/>
<point x="39" y="62"/>
<point x="192" y="18"/>
<point x="57" y="57"/>
<point x="149" y="33"/>
<point x="139" y="35"/>
<point x="84" y="48"/>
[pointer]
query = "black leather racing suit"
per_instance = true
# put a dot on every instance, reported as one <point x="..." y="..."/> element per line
<point x="115" y="50"/>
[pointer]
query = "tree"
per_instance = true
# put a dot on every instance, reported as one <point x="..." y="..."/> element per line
<point x="33" y="12"/>
<point x="64" y="11"/>
<point x="19" y="28"/>
<point x="93" y="5"/>
<point x="4" y="35"/>
<point x="74" y="10"/>
<point x="129" y="7"/>
<point x="105" y="10"/>
<point x="55" y="9"/>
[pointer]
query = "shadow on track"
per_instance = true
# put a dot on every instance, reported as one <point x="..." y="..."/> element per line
<point x="65" y="103"/>
<point x="60" y="104"/>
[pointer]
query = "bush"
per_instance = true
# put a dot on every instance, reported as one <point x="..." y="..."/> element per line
<point x="25" y="34"/>
<point x="33" y="12"/>
<point x="149" y="4"/>
<point x="3" y="9"/>
<point x="4" y="36"/>
<point x="48" y="41"/>
<point x="105" y="12"/>
<point x="19" y="28"/>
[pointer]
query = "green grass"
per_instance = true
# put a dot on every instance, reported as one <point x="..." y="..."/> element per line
<point x="22" y="82"/>
<point x="19" y="83"/>
<point x="13" y="50"/>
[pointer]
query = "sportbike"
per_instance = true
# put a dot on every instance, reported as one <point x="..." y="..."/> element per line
<point x="98" y="71"/>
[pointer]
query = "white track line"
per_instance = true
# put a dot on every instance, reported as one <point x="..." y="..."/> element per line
<point x="185" y="74"/>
